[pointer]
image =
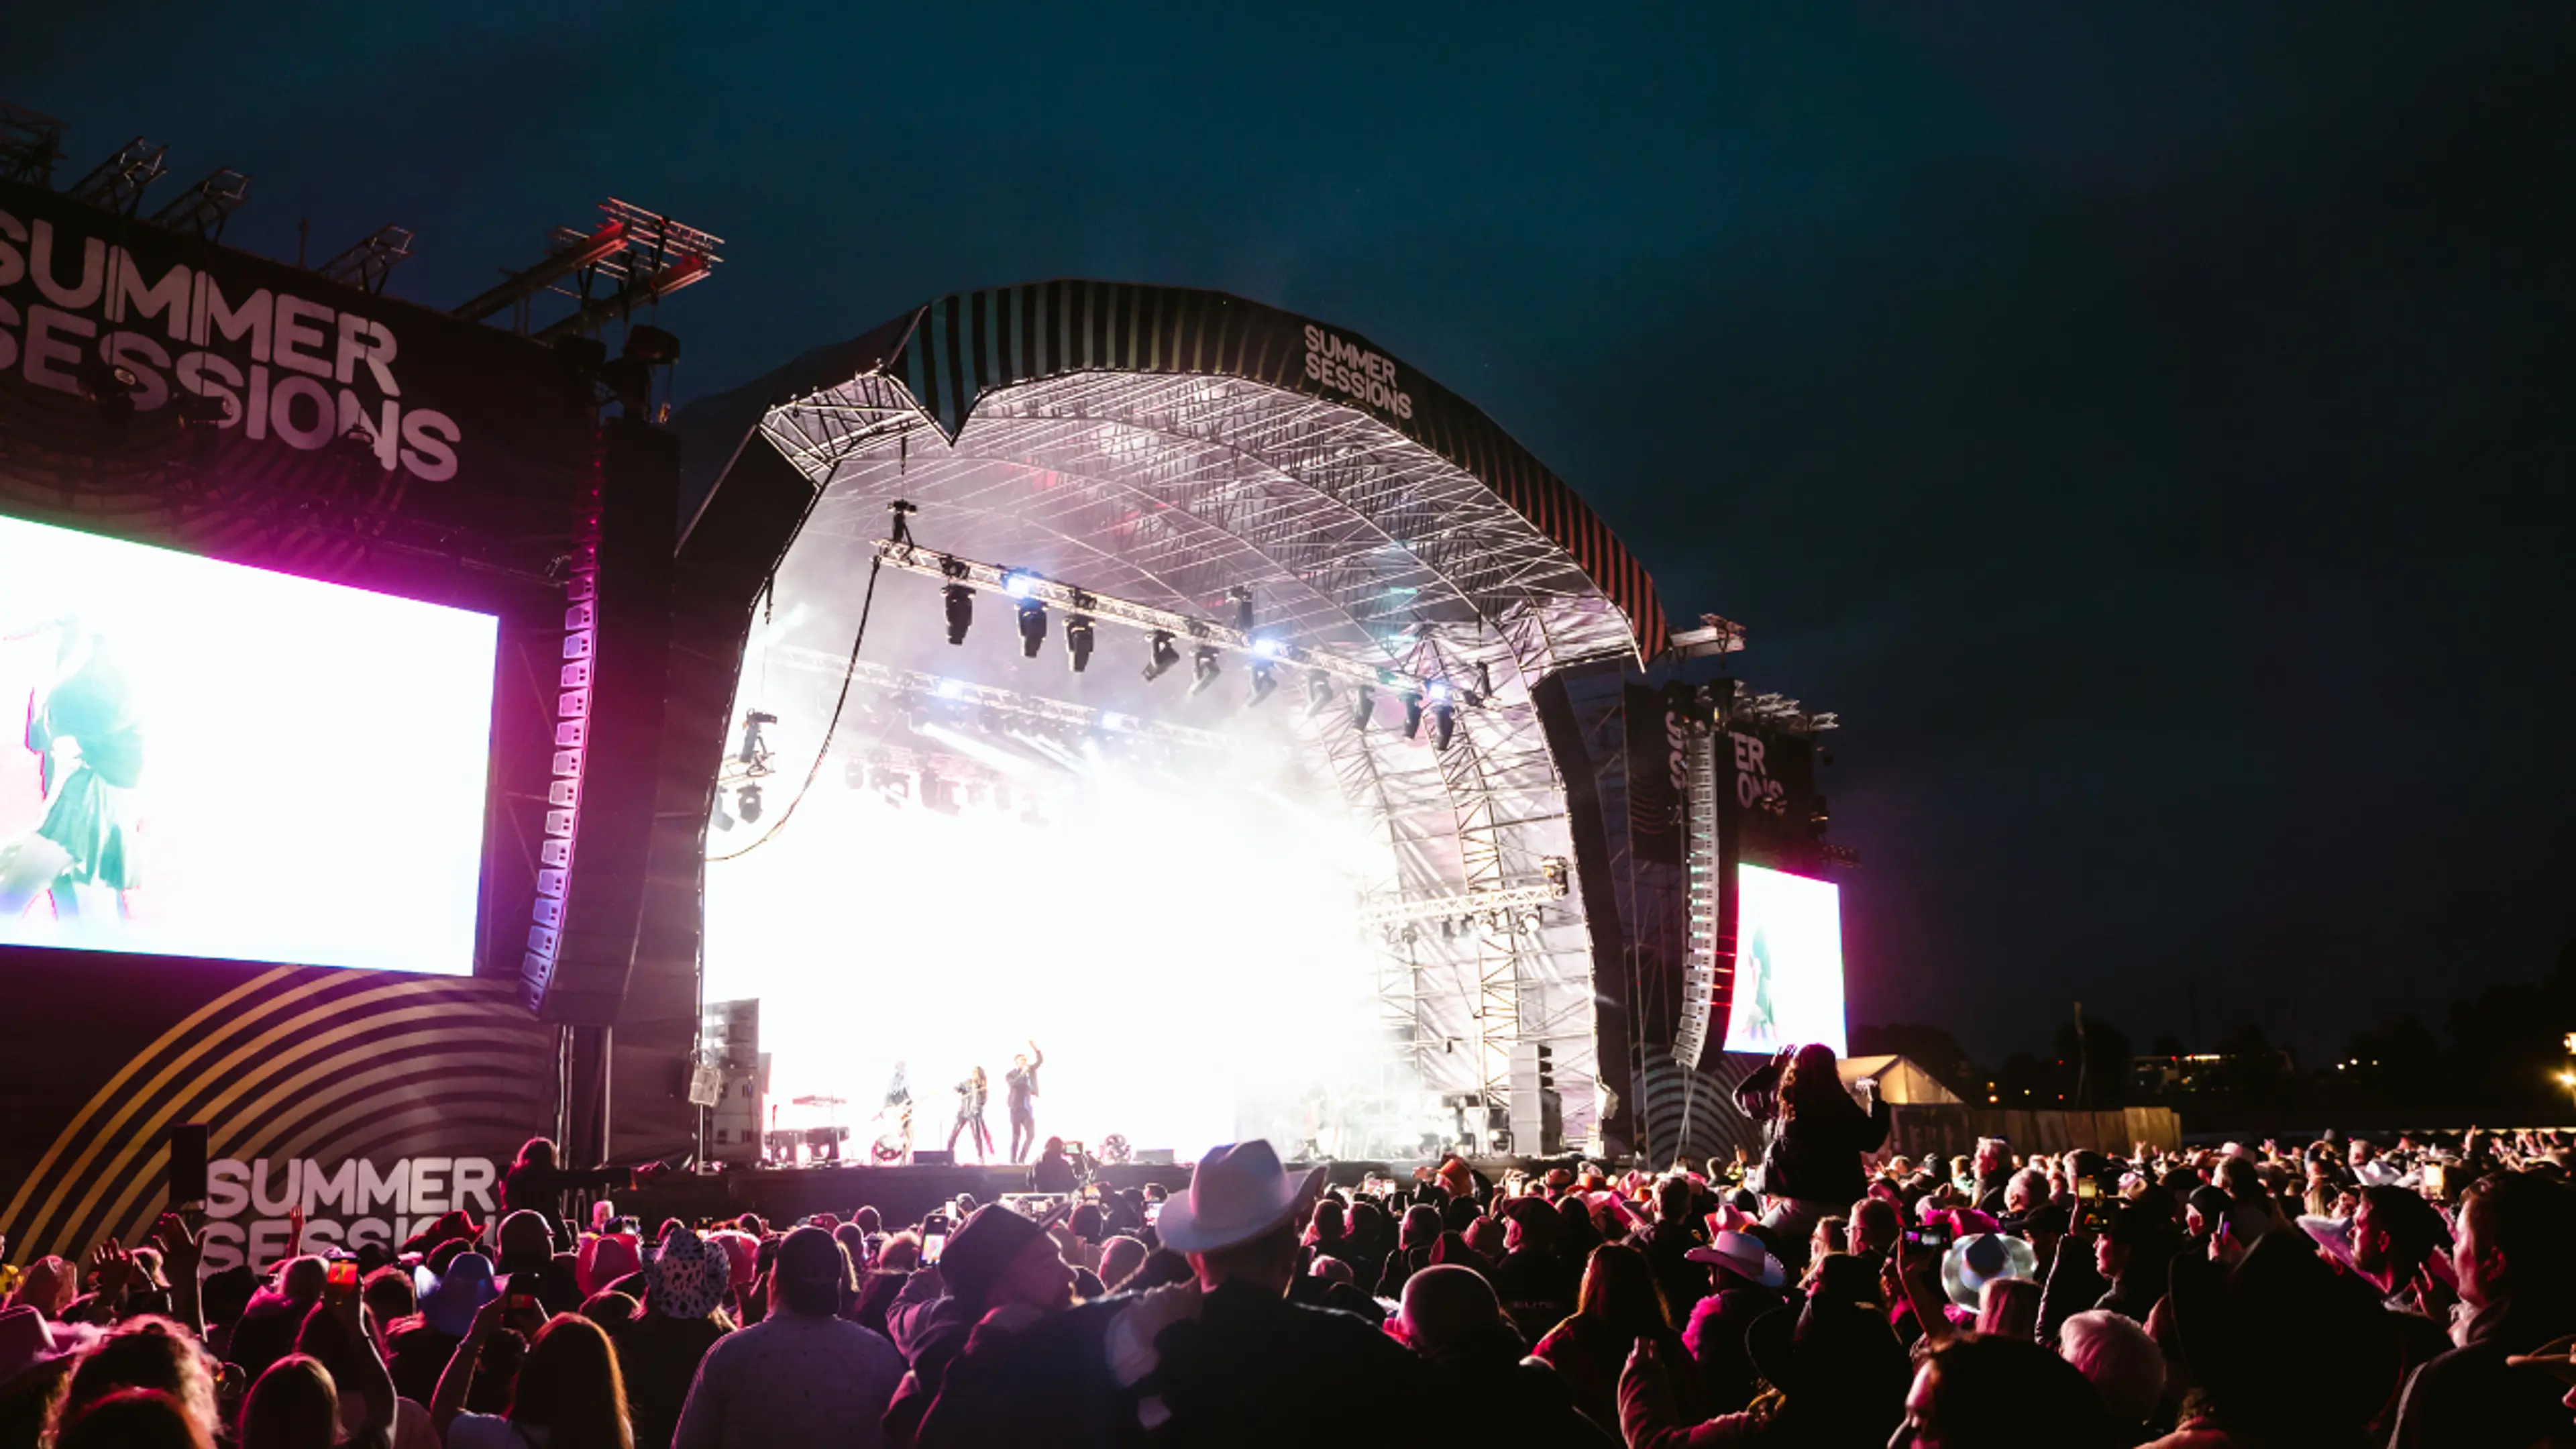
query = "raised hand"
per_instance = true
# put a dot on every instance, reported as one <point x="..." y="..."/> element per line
<point x="181" y="1252"/>
<point x="110" y="1266"/>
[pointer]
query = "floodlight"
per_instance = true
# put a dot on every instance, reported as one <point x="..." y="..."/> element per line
<point x="1203" y="670"/>
<point x="1444" y="724"/>
<point x="1019" y="583"/>
<point x="1363" y="703"/>
<point x="1032" y="627"/>
<point x="1265" y="678"/>
<point x="1412" y="713"/>
<point x="1161" y="656"/>
<point x="1319" y="693"/>
<point x="961" y="611"/>
<point x="746" y="803"/>
<point x="1077" y="640"/>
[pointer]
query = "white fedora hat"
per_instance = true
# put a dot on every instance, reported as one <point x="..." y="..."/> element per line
<point x="1237" y="1193"/>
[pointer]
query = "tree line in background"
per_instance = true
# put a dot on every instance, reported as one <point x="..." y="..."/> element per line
<point x="2502" y="1053"/>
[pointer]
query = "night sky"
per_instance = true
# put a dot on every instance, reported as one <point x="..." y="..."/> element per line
<point x="2150" y="433"/>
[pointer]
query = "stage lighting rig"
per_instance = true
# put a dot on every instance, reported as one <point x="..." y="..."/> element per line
<point x="959" y="597"/>
<point x="755" y="748"/>
<point x="1412" y="713"/>
<point x="1443" y="702"/>
<point x="1203" y="670"/>
<point x="1077" y="641"/>
<point x="746" y="803"/>
<point x="1033" y="627"/>
<point x="1265" y="679"/>
<point x="1165" y="625"/>
<point x="1363" y="704"/>
<point x="1319" y="693"/>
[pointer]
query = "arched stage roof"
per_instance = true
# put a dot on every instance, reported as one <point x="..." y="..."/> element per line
<point x="1167" y="445"/>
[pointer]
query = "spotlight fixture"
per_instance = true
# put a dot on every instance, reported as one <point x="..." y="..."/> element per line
<point x="1077" y="640"/>
<point x="746" y="803"/>
<point x="961" y="611"/>
<point x="1160" y="655"/>
<point x="1363" y="703"/>
<point x="1412" y="714"/>
<point x="1319" y="693"/>
<point x="1444" y="724"/>
<point x="755" y="749"/>
<point x="1265" y="679"/>
<point x="1019" y="583"/>
<point x="1203" y="670"/>
<point x="1032" y="627"/>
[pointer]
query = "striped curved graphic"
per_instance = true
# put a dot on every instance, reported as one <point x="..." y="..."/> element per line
<point x="297" y="1062"/>
<point x="1705" y="1098"/>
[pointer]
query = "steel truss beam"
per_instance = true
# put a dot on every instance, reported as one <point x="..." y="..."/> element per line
<point x="1023" y="584"/>
<point x="1358" y="546"/>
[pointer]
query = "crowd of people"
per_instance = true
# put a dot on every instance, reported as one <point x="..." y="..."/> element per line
<point x="1824" y="1292"/>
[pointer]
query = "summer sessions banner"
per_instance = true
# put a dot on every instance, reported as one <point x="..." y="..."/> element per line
<point x="171" y="387"/>
<point x="372" y="1101"/>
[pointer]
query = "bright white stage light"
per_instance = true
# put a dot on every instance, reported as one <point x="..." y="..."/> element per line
<point x="1268" y="648"/>
<point x="1186" y="950"/>
<point x="951" y="689"/>
<point x="1019" y="583"/>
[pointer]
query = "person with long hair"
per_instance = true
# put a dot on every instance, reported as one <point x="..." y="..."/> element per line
<point x="84" y="727"/>
<point x="569" y="1393"/>
<point x="1619" y="1304"/>
<point x="295" y="1405"/>
<point x="535" y="1183"/>
<point x="1815" y="1136"/>
<point x="972" y="1094"/>
<point x="145" y="1353"/>
<point x="133" y="1419"/>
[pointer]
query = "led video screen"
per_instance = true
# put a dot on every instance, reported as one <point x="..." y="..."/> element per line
<point x="203" y="759"/>
<point x="1788" y="963"/>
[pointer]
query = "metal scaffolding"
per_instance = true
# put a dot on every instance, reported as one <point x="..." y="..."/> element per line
<point x="1354" y="542"/>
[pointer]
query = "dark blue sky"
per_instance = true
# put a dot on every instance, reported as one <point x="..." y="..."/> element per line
<point x="2150" y="430"/>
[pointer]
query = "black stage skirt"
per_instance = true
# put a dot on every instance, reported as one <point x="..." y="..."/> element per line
<point x="89" y="819"/>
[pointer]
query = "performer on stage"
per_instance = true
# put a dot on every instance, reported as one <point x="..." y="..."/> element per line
<point x="971" y="1096"/>
<point x="84" y="729"/>
<point x="1021" y="1083"/>
<point x="895" y="1145"/>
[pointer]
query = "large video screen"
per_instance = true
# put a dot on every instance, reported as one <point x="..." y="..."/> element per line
<point x="1788" y="962"/>
<point x="203" y="759"/>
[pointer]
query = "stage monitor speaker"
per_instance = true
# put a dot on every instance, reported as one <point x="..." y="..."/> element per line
<point x="934" y="1157"/>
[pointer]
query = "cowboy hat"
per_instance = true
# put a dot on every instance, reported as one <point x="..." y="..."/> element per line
<point x="1743" y="1255"/>
<point x="688" y="1277"/>
<point x="1977" y="1260"/>
<point x="459" y="1294"/>
<point x="1237" y="1193"/>
<point x="2557" y="1358"/>
<point x="28" y="1342"/>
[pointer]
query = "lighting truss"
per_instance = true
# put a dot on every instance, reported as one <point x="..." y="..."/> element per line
<point x="1782" y="712"/>
<point x="1403" y="911"/>
<point x="1169" y="490"/>
<point x="1023" y="585"/>
<point x="942" y="689"/>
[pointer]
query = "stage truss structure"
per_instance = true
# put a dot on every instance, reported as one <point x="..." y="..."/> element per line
<point x="1356" y="544"/>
